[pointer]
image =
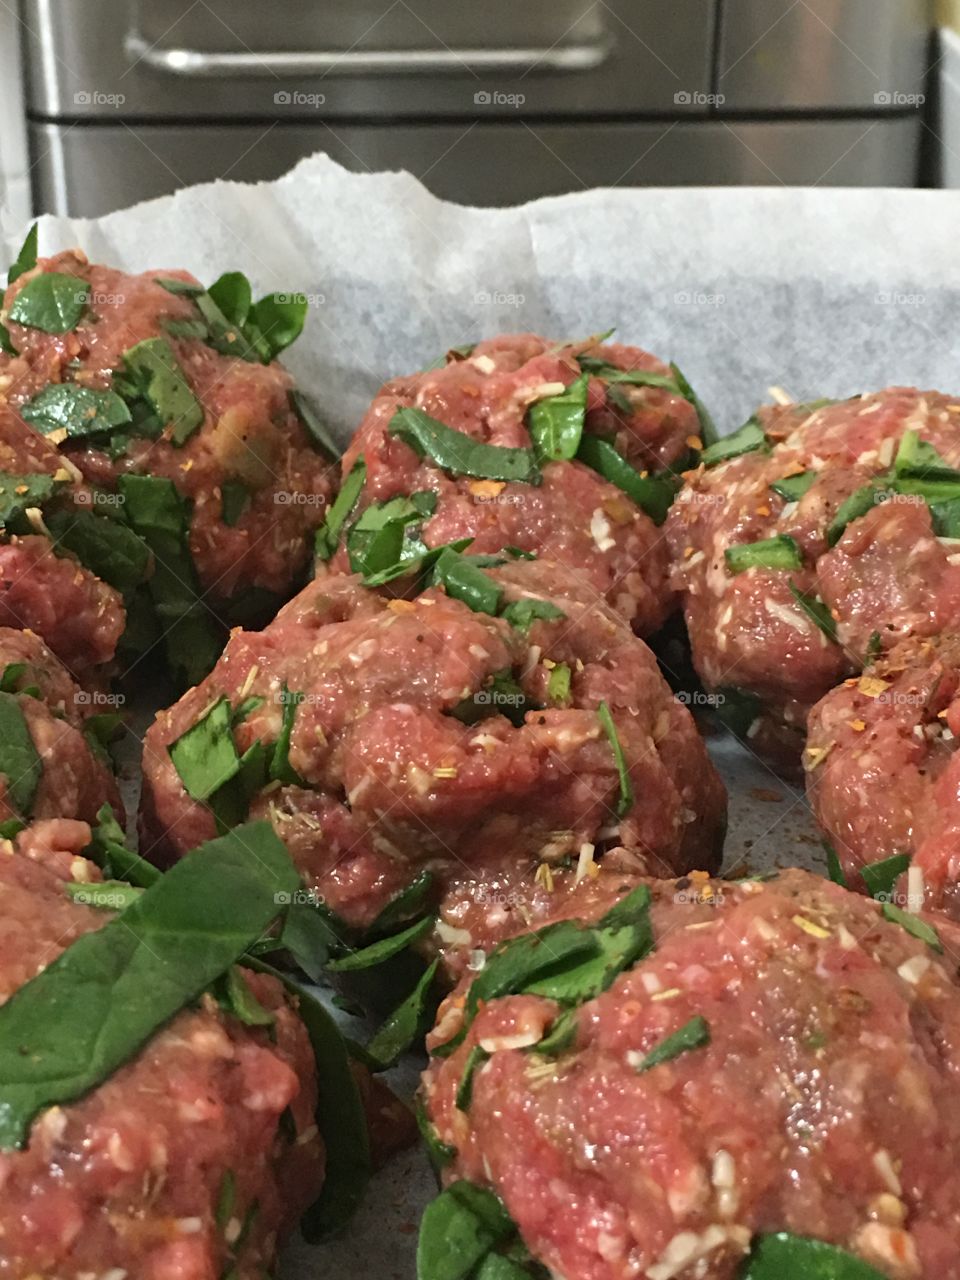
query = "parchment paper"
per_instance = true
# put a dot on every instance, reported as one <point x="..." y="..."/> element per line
<point x="821" y="292"/>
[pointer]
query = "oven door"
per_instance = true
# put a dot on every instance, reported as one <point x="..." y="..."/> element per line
<point x="241" y="59"/>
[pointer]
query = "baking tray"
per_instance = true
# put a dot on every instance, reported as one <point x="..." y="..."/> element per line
<point x="822" y="293"/>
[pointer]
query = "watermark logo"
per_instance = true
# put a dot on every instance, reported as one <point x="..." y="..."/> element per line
<point x="98" y="698"/>
<point x="298" y="498"/>
<point x="696" y="298"/>
<point x="699" y="698"/>
<point x="894" y="98"/>
<point x="297" y="98"/>
<point x="695" y="98"/>
<point x="498" y="298"/>
<point x="893" y="298"/>
<point x="98" y="498"/>
<point x="495" y="98"/>
<point x="94" y="98"/>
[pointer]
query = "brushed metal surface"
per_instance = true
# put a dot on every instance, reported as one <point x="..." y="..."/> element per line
<point x="89" y="170"/>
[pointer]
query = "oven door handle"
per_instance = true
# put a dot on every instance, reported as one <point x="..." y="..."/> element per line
<point x="200" y="64"/>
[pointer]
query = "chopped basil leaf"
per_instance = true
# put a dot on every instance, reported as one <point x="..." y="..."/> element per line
<point x="52" y="302"/>
<point x="708" y="428"/>
<point x="834" y="865"/>
<point x="186" y="287"/>
<point x="612" y="373"/>
<point x="874" y="649"/>
<point x="881" y="876"/>
<point x="652" y="494"/>
<point x="205" y="756"/>
<point x="404" y="905"/>
<point x="626" y="786"/>
<point x="109" y="851"/>
<point x="196" y="329"/>
<point x="6" y="342"/>
<point x="560" y="1037"/>
<point x="234" y="500"/>
<point x="278" y="319"/>
<point x="919" y="460"/>
<point x="616" y="948"/>
<point x="459" y="453"/>
<point x="619" y="400"/>
<point x="18" y="492"/>
<point x="157" y="512"/>
<point x="916" y="927"/>
<point x="226" y="1199"/>
<point x="328" y="535"/>
<point x="79" y="411"/>
<point x="20" y="763"/>
<point x="233" y="295"/>
<point x="405" y="1026"/>
<point x="463" y="580"/>
<point x="946" y="518"/>
<point x="779" y="552"/>
<point x="500" y="695"/>
<point x="152" y="367"/>
<point x="458" y="1230"/>
<point x="475" y="1059"/>
<point x="793" y="488"/>
<point x="523" y="613"/>
<point x="12" y="673"/>
<point x="692" y="1035"/>
<point x="556" y="422"/>
<point x="633" y="909"/>
<point x="558" y="685"/>
<point x="384" y="949"/>
<point x="386" y="535"/>
<point x="10" y="828"/>
<point x="26" y="259"/>
<point x="748" y="439"/>
<point x="236" y="997"/>
<point x="816" y="611"/>
<point x="114" y="988"/>
<point x="788" y="1257"/>
<point x="415" y="558"/>
<point x="108" y="548"/>
<point x="307" y="410"/>
<point x="852" y="508"/>
<point x="281" y="770"/>
<point x="440" y="1153"/>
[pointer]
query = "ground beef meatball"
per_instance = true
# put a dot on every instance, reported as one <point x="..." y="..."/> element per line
<point x="256" y="484"/>
<point x="43" y="589"/>
<point x="855" y="496"/>
<point x="573" y="515"/>
<point x="404" y="734"/>
<point x="51" y="763"/>
<point x="884" y="774"/>
<point x="782" y="1058"/>
<point x="128" y="1180"/>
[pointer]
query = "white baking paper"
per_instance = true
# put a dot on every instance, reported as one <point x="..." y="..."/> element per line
<point x="820" y="292"/>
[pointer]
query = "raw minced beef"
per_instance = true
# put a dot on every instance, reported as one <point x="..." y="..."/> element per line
<point x="865" y="538"/>
<point x="812" y="1088"/>
<point x="425" y="734"/>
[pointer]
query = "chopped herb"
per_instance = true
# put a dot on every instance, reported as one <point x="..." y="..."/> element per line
<point x="793" y="488"/>
<point x="152" y="368"/>
<point x="237" y="998"/>
<point x="523" y="613"/>
<point x="880" y="877"/>
<point x="328" y="535"/>
<point x="737" y="709"/>
<point x="440" y="1153"/>
<point x="79" y="411"/>
<point x="307" y="410"/>
<point x="692" y="1035"/>
<point x="560" y="1037"/>
<point x="384" y="949"/>
<point x="464" y="580"/>
<point x="458" y="1230"/>
<point x="458" y="453"/>
<point x="234" y="500"/>
<point x="558" y="685"/>
<point x="115" y="987"/>
<point x="107" y="547"/>
<point x="652" y="494"/>
<point x="281" y="770"/>
<point x="195" y="329"/>
<point x="386" y="536"/>
<point x="205" y="756"/>
<point x="874" y="649"/>
<point x="12" y="674"/>
<point x="188" y="288"/>
<point x="18" y="492"/>
<point x="556" y="422"/>
<point x="52" y="302"/>
<point x="500" y="695"/>
<point x="404" y="905"/>
<point x="406" y="1025"/>
<point x="278" y="319"/>
<point x="10" y="828"/>
<point x="109" y="851"/>
<point x="475" y="1059"/>
<point x="20" y="763"/>
<point x="626" y="786"/>
<point x="779" y="552"/>
<point x="26" y="259"/>
<point x="788" y="1257"/>
<point x="916" y="927"/>
<point x="708" y="429"/>
<point x="226" y="1199"/>
<point x="834" y="865"/>
<point x="852" y="508"/>
<point x="748" y="439"/>
<point x="816" y="611"/>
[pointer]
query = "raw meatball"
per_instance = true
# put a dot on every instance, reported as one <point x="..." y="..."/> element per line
<point x="572" y="514"/>
<point x="803" y="1080"/>
<point x="424" y="734"/>
<point x="857" y="494"/>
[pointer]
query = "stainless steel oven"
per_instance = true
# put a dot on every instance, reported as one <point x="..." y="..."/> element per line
<point x="488" y="104"/>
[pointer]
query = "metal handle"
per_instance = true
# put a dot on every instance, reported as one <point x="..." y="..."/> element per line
<point x="200" y="64"/>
